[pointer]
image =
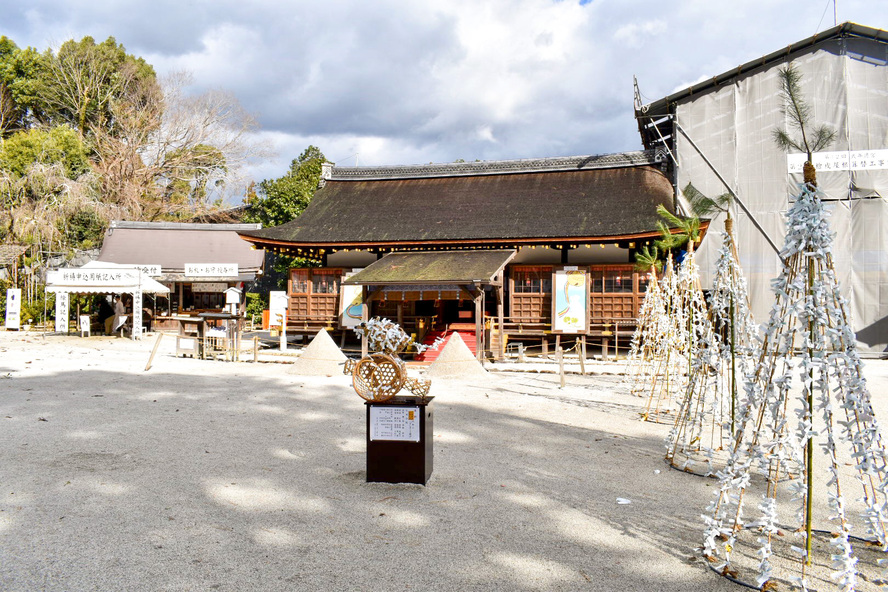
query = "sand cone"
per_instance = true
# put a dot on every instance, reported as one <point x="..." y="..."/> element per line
<point x="456" y="361"/>
<point x="322" y="357"/>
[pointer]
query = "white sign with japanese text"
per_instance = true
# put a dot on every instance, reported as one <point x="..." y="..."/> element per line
<point x="61" y="319"/>
<point x="150" y="270"/>
<point x="13" y="308"/>
<point x="842" y="160"/>
<point x="394" y="423"/>
<point x="93" y="277"/>
<point x="209" y="287"/>
<point x="211" y="269"/>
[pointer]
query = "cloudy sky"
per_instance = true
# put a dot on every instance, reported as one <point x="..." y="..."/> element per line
<point x="416" y="81"/>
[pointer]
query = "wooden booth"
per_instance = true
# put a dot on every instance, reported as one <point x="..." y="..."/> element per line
<point x="197" y="262"/>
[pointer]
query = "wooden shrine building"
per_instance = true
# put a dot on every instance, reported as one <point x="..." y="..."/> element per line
<point x="497" y="250"/>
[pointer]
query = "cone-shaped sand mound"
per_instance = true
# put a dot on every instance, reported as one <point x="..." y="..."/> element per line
<point x="322" y="357"/>
<point x="455" y="361"/>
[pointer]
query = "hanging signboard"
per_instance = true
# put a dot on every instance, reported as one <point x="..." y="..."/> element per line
<point x="209" y="286"/>
<point x="211" y="269"/>
<point x="150" y="270"/>
<point x="351" y="300"/>
<point x="13" y="308"/>
<point x="570" y="300"/>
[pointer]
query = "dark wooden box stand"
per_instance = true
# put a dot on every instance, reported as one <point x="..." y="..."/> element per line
<point x="399" y="441"/>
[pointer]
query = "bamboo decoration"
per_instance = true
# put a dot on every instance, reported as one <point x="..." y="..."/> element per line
<point x="706" y="420"/>
<point x="807" y="407"/>
<point x="651" y="316"/>
<point x="686" y="329"/>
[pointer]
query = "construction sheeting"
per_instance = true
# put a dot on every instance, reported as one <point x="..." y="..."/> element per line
<point x="845" y="81"/>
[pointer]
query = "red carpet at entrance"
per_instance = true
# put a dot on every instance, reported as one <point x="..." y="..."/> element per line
<point x="430" y="355"/>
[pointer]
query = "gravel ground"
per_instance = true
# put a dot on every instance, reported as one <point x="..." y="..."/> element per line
<point x="210" y="475"/>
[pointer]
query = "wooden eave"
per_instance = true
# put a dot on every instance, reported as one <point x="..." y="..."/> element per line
<point x="592" y="240"/>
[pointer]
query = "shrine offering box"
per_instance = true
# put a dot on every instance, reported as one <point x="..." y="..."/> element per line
<point x="399" y="440"/>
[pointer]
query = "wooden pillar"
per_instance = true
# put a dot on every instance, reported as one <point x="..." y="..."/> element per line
<point x="545" y="347"/>
<point x="583" y="355"/>
<point x="365" y="316"/>
<point x="616" y="340"/>
<point x="479" y="325"/>
<point x="501" y="353"/>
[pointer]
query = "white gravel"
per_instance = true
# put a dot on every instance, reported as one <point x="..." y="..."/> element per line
<point x="210" y="475"/>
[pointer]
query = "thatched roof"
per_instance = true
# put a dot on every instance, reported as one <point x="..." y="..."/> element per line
<point x="10" y="253"/>
<point x="506" y="202"/>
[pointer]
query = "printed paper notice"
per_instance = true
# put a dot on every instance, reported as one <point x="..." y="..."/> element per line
<point x="394" y="423"/>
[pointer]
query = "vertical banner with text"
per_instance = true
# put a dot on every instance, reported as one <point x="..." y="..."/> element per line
<point x="13" y="308"/>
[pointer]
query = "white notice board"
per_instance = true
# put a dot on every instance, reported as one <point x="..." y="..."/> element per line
<point x="394" y="423"/>
<point x="13" y="308"/>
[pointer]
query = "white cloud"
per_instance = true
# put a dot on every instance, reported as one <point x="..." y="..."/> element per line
<point x="401" y="81"/>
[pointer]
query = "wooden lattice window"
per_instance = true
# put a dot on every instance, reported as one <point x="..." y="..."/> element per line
<point x="314" y="294"/>
<point x="530" y="289"/>
<point x="615" y="292"/>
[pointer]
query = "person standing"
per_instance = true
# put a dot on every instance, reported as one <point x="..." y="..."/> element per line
<point x="119" y="313"/>
<point x="106" y="313"/>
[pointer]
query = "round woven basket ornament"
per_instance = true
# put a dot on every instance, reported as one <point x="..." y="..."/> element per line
<point x="378" y="377"/>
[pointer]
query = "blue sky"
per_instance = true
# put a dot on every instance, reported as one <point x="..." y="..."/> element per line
<point x="408" y="81"/>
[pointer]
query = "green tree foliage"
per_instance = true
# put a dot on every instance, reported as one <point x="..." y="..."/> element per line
<point x="648" y="259"/>
<point x="22" y="75"/>
<point x="44" y="146"/>
<point x="84" y="229"/>
<point x="704" y="206"/>
<point x="280" y="200"/>
<point x="83" y="79"/>
<point x="798" y="117"/>
<point x="88" y="133"/>
<point x="688" y="230"/>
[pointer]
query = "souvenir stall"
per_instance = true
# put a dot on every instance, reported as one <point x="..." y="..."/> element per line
<point x="98" y="277"/>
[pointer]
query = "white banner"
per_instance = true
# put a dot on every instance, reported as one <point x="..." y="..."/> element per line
<point x="211" y="269"/>
<point x="111" y="278"/>
<point x="13" y="308"/>
<point x="61" y="318"/>
<point x="842" y="160"/>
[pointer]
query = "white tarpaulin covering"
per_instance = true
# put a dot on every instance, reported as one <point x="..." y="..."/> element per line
<point x="101" y="277"/>
<point x="845" y="81"/>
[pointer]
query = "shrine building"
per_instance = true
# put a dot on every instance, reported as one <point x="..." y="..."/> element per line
<point x="499" y="251"/>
